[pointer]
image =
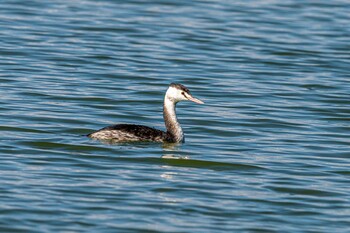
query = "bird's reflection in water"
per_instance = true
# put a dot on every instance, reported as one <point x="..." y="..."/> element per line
<point x="170" y="149"/>
<point x="172" y="156"/>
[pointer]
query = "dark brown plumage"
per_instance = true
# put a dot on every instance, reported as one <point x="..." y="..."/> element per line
<point x="129" y="132"/>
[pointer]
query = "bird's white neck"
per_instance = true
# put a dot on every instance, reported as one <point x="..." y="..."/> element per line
<point x="174" y="130"/>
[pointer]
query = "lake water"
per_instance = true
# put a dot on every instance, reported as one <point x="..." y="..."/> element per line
<point x="268" y="152"/>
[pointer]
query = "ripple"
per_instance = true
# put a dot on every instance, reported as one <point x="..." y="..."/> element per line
<point x="268" y="150"/>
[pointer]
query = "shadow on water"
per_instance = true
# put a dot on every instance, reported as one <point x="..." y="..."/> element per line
<point x="192" y="163"/>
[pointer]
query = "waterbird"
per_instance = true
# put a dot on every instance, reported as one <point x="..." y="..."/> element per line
<point x="139" y="133"/>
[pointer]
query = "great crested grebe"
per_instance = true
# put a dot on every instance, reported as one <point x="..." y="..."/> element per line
<point x="132" y="133"/>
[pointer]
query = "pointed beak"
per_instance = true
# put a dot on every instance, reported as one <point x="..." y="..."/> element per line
<point x="191" y="98"/>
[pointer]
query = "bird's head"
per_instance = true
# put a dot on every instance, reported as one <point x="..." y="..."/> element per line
<point x="178" y="92"/>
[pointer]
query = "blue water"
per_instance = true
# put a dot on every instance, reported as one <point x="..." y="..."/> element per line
<point x="268" y="152"/>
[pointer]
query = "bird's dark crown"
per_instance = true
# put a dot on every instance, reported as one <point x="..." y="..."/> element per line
<point x="180" y="87"/>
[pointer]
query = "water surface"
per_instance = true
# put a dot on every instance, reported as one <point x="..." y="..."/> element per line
<point x="268" y="152"/>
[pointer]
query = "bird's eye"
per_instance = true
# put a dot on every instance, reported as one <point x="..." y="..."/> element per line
<point x="183" y="93"/>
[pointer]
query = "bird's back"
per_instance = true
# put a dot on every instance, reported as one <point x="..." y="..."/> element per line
<point x="129" y="133"/>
